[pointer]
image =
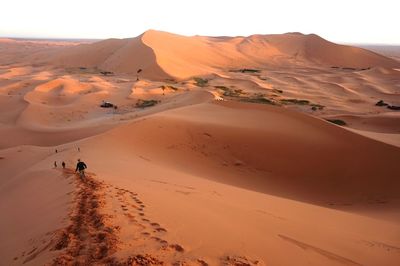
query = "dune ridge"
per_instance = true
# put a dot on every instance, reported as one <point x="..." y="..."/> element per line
<point x="165" y="55"/>
<point x="235" y="164"/>
<point x="117" y="55"/>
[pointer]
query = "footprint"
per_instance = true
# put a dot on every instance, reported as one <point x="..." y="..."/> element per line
<point x="177" y="247"/>
<point x="164" y="242"/>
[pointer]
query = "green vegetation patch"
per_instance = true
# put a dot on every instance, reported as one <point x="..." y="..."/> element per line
<point x="295" y="101"/>
<point x="337" y="122"/>
<point x="246" y="70"/>
<point x="381" y="103"/>
<point x="261" y="100"/>
<point x="200" y="82"/>
<point x="146" y="103"/>
<point x="316" y="107"/>
<point x="166" y="87"/>
<point x="224" y="88"/>
<point x="233" y="93"/>
<point x="277" y="90"/>
<point x="229" y="92"/>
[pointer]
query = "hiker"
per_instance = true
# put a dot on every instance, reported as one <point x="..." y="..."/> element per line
<point x="80" y="166"/>
<point x="56" y="150"/>
<point x="55" y="164"/>
<point x="63" y="164"/>
<point x="79" y="149"/>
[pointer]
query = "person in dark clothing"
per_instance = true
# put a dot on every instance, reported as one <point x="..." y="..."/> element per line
<point x="55" y="164"/>
<point x="81" y="166"/>
<point x="63" y="164"/>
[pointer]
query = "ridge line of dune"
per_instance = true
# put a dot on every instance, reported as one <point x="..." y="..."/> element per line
<point x="153" y="51"/>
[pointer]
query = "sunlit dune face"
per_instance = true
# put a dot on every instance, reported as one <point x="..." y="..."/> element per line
<point x="199" y="151"/>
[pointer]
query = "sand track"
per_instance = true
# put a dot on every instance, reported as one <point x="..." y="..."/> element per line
<point x="96" y="236"/>
<point x="89" y="239"/>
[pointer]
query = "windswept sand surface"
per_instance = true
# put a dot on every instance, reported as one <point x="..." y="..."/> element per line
<point x="233" y="164"/>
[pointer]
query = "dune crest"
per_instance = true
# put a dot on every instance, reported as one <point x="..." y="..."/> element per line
<point x="165" y="55"/>
<point x="259" y="150"/>
<point x="116" y="55"/>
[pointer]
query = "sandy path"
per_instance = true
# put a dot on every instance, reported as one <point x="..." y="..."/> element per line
<point x="109" y="225"/>
<point x="88" y="239"/>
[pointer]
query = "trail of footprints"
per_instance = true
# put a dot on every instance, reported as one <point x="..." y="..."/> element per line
<point x="133" y="208"/>
<point x="108" y="225"/>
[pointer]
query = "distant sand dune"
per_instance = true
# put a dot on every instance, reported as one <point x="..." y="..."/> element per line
<point x="217" y="152"/>
<point x="162" y="55"/>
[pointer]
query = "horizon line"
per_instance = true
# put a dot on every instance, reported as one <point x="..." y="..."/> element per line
<point x="101" y="39"/>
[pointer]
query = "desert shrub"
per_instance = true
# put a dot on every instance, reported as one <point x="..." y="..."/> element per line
<point x="200" y="81"/>
<point x="316" y="107"/>
<point x="381" y="103"/>
<point x="146" y="103"/>
<point x="393" y="107"/>
<point x="277" y="90"/>
<point x="165" y="87"/>
<point x="222" y="88"/>
<point x="249" y="70"/>
<point x="233" y="93"/>
<point x="230" y="92"/>
<point x="246" y="70"/>
<point x="295" y="101"/>
<point x="258" y="98"/>
<point x="105" y="73"/>
<point x="337" y="122"/>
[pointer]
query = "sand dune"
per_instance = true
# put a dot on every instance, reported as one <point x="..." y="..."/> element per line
<point x="219" y="154"/>
<point x="163" y="55"/>
<point x="301" y="162"/>
<point x="209" y="168"/>
<point x="127" y="56"/>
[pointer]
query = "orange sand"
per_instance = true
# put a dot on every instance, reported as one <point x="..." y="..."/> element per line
<point x="203" y="177"/>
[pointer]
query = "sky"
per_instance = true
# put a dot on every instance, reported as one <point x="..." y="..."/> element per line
<point x="344" y="21"/>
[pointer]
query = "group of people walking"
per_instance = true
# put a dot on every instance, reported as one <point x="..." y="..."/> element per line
<point x="80" y="166"/>
<point x="62" y="164"/>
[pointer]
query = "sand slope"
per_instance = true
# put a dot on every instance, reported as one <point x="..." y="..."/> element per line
<point x="192" y="180"/>
<point x="126" y="56"/>
<point x="308" y="157"/>
<point x="184" y="185"/>
<point x="162" y="54"/>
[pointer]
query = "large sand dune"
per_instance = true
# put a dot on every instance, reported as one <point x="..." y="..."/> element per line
<point x="230" y="167"/>
<point x="161" y="54"/>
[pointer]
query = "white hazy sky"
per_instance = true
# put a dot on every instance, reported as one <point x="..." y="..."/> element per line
<point x="349" y="21"/>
